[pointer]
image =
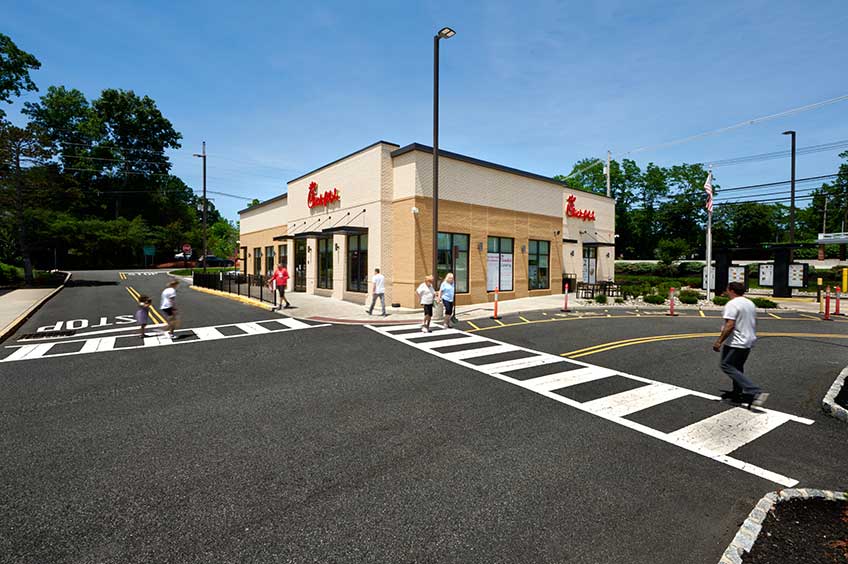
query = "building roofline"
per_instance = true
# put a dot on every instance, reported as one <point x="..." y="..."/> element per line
<point x="322" y="167"/>
<point x="488" y="164"/>
<point x="268" y="201"/>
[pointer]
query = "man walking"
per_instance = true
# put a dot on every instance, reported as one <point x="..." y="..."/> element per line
<point x="738" y="336"/>
<point x="168" y="305"/>
<point x="281" y="277"/>
<point x="379" y="292"/>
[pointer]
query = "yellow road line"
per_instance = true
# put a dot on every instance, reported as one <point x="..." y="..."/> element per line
<point x="701" y="312"/>
<point x="157" y="317"/>
<point x="774" y="315"/>
<point x="499" y="322"/>
<point x="810" y="316"/>
<point x="659" y="338"/>
<point x="524" y="319"/>
<point x="475" y="327"/>
<point x="634" y="340"/>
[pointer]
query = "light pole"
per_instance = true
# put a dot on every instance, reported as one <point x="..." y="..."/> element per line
<point x="202" y="155"/>
<point x="444" y="33"/>
<point x="792" y="194"/>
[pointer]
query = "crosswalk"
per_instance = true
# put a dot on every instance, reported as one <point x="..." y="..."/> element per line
<point x="87" y="345"/>
<point x="610" y="394"/>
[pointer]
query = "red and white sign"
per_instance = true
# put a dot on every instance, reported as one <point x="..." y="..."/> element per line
<point x="572" y="211"/>
<point x="328" y="197"/>
<point x="186" y="249"/>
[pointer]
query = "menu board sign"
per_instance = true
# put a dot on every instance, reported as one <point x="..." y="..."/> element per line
<point x="766" y="275"/>
<point x="797" y="275"/>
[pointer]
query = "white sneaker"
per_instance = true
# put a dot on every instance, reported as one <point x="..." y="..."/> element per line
<point x="423" y="329"/>
<point x="760" y="399"/>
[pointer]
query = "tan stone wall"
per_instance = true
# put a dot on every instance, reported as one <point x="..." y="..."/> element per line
<point x="263" y="238"/>
<point x="413" y="234"/>
<point x="264" y="217"/>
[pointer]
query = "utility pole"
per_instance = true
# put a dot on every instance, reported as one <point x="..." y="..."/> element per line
<point x="609" y="172"/>
<point x="792" y="194"/>
<point x="202" y="155"/>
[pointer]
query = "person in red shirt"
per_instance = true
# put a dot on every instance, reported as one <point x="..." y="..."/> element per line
<point x="281" y="277"/>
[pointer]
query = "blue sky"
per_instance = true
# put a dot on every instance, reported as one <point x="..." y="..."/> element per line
<point x="277" y="89"/>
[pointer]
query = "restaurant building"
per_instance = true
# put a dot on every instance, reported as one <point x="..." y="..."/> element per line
<point x="499" y="227"/>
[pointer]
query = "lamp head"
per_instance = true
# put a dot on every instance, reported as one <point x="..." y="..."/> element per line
<point x="790" y="132"/>
<point x="446" y="33"/>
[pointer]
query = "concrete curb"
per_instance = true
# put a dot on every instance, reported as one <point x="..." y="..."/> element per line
<point x="13" y="326"/>
<point x="829" y="405"/>
<point x="749" y="531"/>
<point x="244" y="299"/>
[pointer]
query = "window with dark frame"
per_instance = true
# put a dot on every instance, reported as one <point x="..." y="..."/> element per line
<point x="499" y="264"/>
<point x="357" y="263"/>
<point x="269" y="260"/>
<point x="283" y="254"/>
<point x="257" y="261"/>
<point x="325" y="263"/>
<point x="538" y="265"/>
<point x="453" y="257"/>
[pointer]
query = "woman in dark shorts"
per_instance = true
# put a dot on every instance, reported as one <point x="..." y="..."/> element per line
<point x="426" y="296"/>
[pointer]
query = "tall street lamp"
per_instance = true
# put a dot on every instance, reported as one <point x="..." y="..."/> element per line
<point x="792" y="193"/>
<point x="202" y="155"/>
<point x="444" y="33"/>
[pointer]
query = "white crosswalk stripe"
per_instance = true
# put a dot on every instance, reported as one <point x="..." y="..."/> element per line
<point x="129" y="341"/>
<point x="714" y="437"/>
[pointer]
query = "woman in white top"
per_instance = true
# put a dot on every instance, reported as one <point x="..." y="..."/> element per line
<point x="446" y="296"/>
<point x="426" y="296"/>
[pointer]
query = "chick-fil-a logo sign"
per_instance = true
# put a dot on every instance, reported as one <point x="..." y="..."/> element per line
<point x="324" y="200"/>
<point x="572" y="211"/>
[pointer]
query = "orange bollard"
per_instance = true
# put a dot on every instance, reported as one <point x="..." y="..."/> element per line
<point x="496" y="316"/>
<point x="838" y="299"/>
<point x="565" y="306"/>
<point x="827" y="304"/>
<point x="671" y="303"/>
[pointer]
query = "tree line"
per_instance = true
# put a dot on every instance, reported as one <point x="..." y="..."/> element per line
<point x="88" y="183"/>
<point x="660" y="212"/>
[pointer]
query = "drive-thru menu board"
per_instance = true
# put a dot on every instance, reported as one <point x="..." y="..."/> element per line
<point x="797" y="275"/>
<point x="704" y="278"/>
<point x="766" y="275"/>
<point x="737" y="274"/>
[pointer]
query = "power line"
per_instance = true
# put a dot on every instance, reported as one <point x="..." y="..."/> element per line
<point x="777" y="154"/>
<point x="797" y="180"/>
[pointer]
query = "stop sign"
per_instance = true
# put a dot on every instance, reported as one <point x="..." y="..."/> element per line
<point x="186" y="249"/>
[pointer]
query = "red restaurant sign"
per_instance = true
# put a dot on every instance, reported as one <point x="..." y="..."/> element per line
<point x="324" y="200"/>
<point x="572" y="211"/>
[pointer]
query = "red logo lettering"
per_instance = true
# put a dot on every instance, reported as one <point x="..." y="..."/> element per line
<point x="314" y="199"/>
<point x="572" y="211"/>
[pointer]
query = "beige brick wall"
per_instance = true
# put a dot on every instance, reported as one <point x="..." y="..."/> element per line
<point x="263" y="238"/>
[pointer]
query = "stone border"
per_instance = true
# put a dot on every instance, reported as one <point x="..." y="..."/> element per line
<point x="829" y="404"/>
<point x="749" y="531"/>
<point x="13" y="326"/>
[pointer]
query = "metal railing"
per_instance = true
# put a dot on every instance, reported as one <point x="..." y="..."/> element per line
<point x="589" y="291"/>
<point x="237" y="283"/>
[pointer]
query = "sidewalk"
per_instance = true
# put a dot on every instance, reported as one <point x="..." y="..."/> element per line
<point x="16" y="305"/>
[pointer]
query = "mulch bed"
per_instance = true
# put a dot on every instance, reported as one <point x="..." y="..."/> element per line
<point x="803" y="531"/>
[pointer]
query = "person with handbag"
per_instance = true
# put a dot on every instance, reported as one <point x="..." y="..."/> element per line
<point x="446" y="296"/>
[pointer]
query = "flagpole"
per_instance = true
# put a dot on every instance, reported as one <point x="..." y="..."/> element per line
<point x="709" y="244"/>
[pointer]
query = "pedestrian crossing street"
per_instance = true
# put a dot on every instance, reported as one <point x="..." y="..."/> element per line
<point x="610" y="394"/>
<point x="67" y="347"/>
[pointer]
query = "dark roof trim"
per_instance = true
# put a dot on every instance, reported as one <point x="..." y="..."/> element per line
<point x="271" y="201"/>
<point x="487" y="164"/>
<point x="307" y="235"/>
<point x="322" y="167"/>
<point x="597" y="244"/>
<point x="348" y="229"/>
<point x="570" y="241"/>
<point x="283" y="237"/>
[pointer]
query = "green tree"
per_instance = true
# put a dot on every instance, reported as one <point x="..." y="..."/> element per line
<point x="683" y="215"/>
<point x="15" y="65"/>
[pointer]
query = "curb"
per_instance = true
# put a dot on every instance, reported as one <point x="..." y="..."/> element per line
<point x="13" y="326"/>
<point x="749" y="531"/>
<point x="244" y="299"/>
<point x="829" y="405"/>
<point x="377" y="322"/>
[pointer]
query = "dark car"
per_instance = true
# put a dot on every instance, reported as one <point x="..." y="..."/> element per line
<point x="212" y="260"/>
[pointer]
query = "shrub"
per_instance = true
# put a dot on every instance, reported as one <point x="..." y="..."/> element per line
<point x="668" y="251"/>
<point x="10" y="274"/>
<point x="690" y="268"/>
<point x="654" y="299"/>
<point x="688" y="299"/>
<point x="619" y="300"/>
<point x="763" y="303"/>
<point x="635" y="290"/>
<point x="600" y="299"/>
<point x="721" y="300"/>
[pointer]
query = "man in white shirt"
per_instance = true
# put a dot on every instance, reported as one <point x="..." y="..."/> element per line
<point x="426" y="296"/>
<point x="379" y="292"/>
<point x="168" y="305"/>
<point x="738" y="336"/>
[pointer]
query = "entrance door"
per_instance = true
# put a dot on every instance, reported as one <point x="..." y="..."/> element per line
<point x="300" y="265"/>
<point x="590" y="264"/>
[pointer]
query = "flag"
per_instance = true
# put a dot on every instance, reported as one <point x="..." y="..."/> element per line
<point x="708" y="188"/>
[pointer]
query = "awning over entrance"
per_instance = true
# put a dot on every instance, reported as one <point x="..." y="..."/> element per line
<point x="597" y="244"/>
<point x="346" y="229"/>
<point x="307" y="235"/>
<point x="283" y="237"/>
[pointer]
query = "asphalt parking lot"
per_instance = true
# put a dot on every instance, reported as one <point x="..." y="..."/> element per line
<point x="255" y="439"/>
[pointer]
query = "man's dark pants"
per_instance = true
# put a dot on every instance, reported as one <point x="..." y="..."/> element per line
<point x="732" y="364"/>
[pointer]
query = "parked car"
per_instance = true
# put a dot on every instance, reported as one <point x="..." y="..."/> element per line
<point x="181" y="256"/>
<point x="212" y="260"/>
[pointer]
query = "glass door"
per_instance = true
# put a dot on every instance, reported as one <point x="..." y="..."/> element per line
<point x="300" y="265"/>
<point x="590" y="264"/>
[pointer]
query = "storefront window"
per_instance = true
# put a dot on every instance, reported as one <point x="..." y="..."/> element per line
<point x="325" y="263"/>
<point x="538" y="271"/>
<point x="269" y="260"/>
<point x="590" y="264"/>
<point x="283" y="255"/>
<point x="357" y="263"/>
<point x="499" y="264"/>
<point x="453" y="257"/>
<point x="257" y="261"/>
